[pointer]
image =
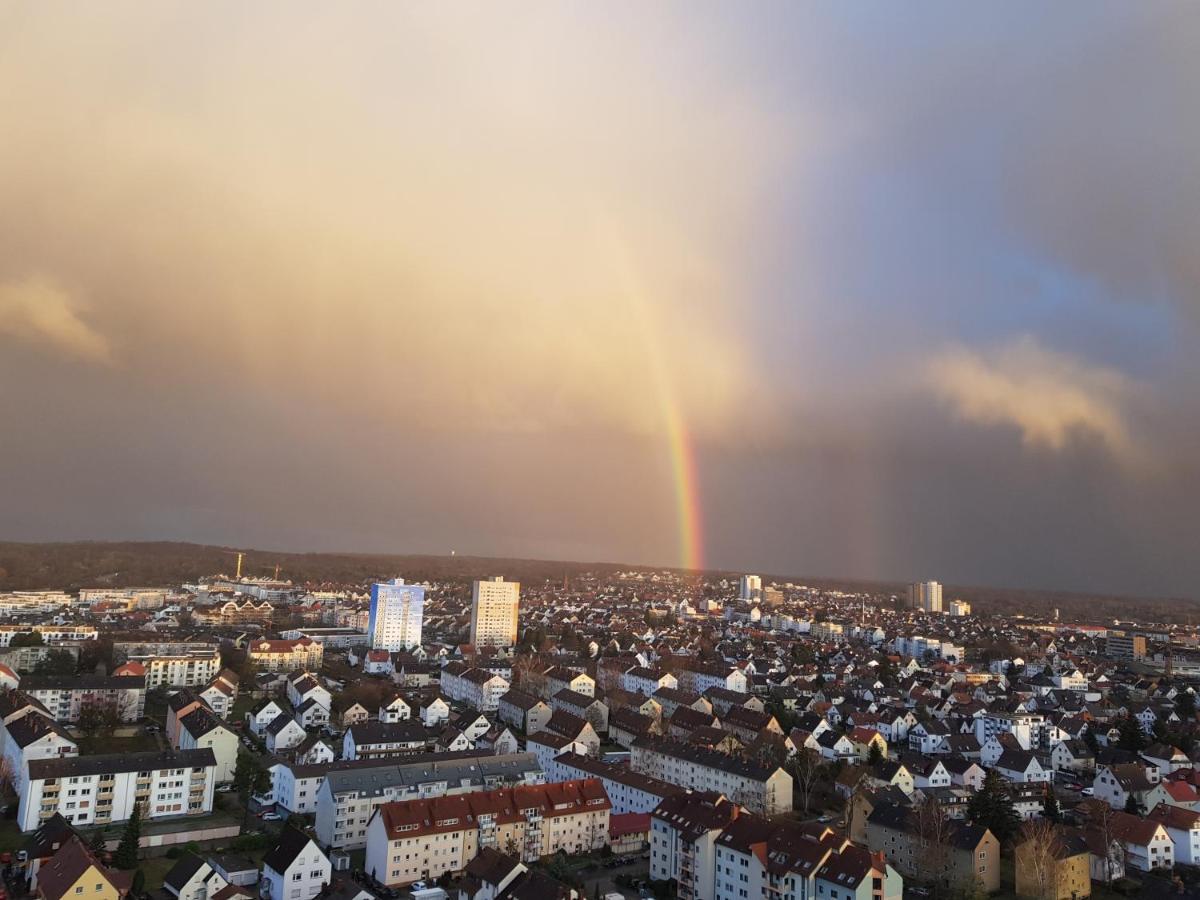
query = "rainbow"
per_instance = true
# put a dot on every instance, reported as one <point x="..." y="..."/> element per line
<point x="680" y="448"/>
<point x="687" y="487"/>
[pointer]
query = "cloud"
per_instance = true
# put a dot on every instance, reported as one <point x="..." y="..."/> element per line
<point x="1051" y="397"/>
<point x="40" y="312"/>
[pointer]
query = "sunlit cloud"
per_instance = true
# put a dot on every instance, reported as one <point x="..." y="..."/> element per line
<point x="39" y="312"/>
<point x="1052" y="398"/>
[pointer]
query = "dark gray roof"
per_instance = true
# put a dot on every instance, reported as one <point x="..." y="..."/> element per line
<point x="112" y="763"/>
<point x="480" y="768"/>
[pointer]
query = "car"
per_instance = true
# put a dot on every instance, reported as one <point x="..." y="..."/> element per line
<point x="417" y="886"/>
<point x="1088" y="792"/>
<point x="152" y="729"/>
<point x="271" y="817"/>
<point x="824" y="819"/>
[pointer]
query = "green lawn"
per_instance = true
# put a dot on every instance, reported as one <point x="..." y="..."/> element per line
<point x="11" y="838"/>
<point x="155" y="870"/>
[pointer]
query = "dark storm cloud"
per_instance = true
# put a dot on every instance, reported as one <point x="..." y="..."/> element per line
<point x="921" y="283"/>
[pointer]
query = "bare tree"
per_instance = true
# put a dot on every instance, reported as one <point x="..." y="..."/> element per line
<point x="805" y="769"/>
<point x="1039" y="856"/>
<point x="1100" y="821"/>
<point x="933" y="830"/>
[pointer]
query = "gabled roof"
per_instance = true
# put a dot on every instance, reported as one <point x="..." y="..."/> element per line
<point x="292" y="843"/>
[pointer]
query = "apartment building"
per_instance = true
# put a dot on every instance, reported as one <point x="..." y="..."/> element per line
<point x="756" y="857"/>
<point x="972" y="854"/>
<point x="168" y="664"/>
<point x="524" y="711"/>
<point x="51" y="634"/>
<point x="683" y="834"/>
<point x="396" y="614"/>
<point x="18" y="603"/>
<point x="415" y="840"/>
<point x="286" y="656"/>
<point x="350" y="792"/>
<point x="760" y="789"/>
<point x="494" y="609"/>
<point x="477" y="688"/>
<point x="65" y="696"/>
<point x="628" y="791"/>
<point x="103" y="789"/>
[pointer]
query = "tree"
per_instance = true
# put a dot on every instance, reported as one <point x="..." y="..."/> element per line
<point x="1100" y="820"/>
<point x="1050" y="810"/>
<point x="875" y="756"/>
<point x="249" y="778"/>
<point x="932" y="827"/>
<point x="99" y="842"/>
<point x="1089" y="738"/>
<point x="805" y="769"/>
<point x="992" y="807"/>
<point x="27" y="639"/>
<point x="1039" y="855"/>
<point x="1185" y="705"/>
<point x="56" y="662"/>
<point x="1132" y="805"/>
<point x="138" y="887"/>
<point x="126" y="856"/>
<point x="1132" y="737"/>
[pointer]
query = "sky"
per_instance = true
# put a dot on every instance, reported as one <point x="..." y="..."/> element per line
<point x="872" y="290"/>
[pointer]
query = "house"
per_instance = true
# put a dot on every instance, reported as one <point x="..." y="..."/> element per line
<point x="929" y="737"/>
<point x="964" y="773"/>
<point x="74" y="871"/>
<point x="1166" y="758"/>
<point x="1073" y="755"/>
<point x="284" y="733"/>
<point x="304" y="686"/>
<point x="201" y="728"/>
<point x="396" y="709"/>
<point x="1146" y="843"/>
<point x="927" y="772"/>
<point x="261" y="715"/>
<point x="1115" y="784"/>
<point x="192" y="878"/>
<point x="1021" y="766"/>
<point x="835" y="746"/>
<point x="354" y="714"/>
<point x="584" y="706"/>
<point x="574" y="729"/>
<point x="295" y="868"/>
<point x="1183" y="827"/>
<point x="864" y="739"/>
<point x="378" y="662"/>
<point x="891" y="773"/>
<point x="434" y="712"/>
<point x="313" y="751"/>
<point x="311" y="714"/>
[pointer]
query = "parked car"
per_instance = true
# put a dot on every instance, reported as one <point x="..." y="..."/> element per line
<point x="1088" y="792"/>
<point x="271" y="817"/>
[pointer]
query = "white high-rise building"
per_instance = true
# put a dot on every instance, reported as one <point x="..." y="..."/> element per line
<point x="397" y="611"/>
<point x="925" y="595"/>
<point x="751" y="588"/>
<point x="494" y="603"/>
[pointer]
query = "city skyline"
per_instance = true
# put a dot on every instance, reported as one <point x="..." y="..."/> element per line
<point x="817" y="290"/>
